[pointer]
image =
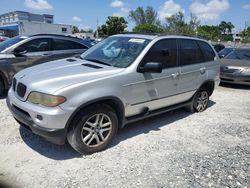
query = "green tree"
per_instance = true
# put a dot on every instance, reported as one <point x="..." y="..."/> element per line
<point x="75" y="29"/>
<point x="141" y="16"/>
<point x="113" y="25"/>
<point x="148" y="28"/>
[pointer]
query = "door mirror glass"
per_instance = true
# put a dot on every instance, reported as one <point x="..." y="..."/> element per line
<point x="19" y="51"/>
<point x="151" y="67"/>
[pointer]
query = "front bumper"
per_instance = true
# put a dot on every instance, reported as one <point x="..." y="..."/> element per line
<point x="24" y="114"/>
<point x="235" y="78"/>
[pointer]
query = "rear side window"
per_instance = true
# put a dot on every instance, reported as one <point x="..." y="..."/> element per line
<point x="37" y="45"/>
<point x="61" y="44"/>
<point x="163" y="51"/>
<point x="190" y="52"/>
<point x="207" y="51"/>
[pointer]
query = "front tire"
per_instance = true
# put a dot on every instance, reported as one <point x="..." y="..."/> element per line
<point x="93" y="129"/>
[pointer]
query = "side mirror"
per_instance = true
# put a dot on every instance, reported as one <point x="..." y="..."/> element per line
<point x="19" y="51"/>
<point x="151" y="67"/>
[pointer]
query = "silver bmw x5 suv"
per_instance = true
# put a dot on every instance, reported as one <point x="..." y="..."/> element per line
<point x="122" y="79"/>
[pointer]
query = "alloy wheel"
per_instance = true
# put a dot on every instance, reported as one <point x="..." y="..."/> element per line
<point x="96" y="130"/>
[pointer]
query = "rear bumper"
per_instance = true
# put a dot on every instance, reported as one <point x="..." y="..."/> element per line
<point x="235" y="79"/>
<point x="56" y="136"/>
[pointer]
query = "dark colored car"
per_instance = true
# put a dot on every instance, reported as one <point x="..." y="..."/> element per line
<point x="225" y="52"/>
<point x="235" y="67"/>
<point x="25" y="51"/>
<point x="218" y="47"/>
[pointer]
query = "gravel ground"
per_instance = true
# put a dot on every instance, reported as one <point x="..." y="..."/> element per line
<point x="176" y="149"/>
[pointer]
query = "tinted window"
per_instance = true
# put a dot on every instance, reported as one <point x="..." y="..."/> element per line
<point x="190" y="52"/>
<point x="36" y="45"/>
<point x="239" y="54"/>
<point x="164" y="51"/>
<point x="60" y="44"/>
<point x="207" y="51"/>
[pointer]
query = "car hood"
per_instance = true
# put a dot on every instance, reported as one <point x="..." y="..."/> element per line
<point x="56" y="75"/>
<point x="235" y="63"/>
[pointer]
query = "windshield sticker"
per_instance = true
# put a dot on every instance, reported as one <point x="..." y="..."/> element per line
<point x="137" y="40"/>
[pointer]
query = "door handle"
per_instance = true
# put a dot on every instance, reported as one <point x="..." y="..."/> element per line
<point x="203" y="70"/>
<point x="46" y="54"/>
<point x="175" y="75"/>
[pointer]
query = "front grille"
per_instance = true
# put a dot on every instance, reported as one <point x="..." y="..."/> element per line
<point x="21" y="90"/>
<point x="14" y="84"/>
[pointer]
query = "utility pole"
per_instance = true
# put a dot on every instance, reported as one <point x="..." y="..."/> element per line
<point x="97" y="25"/>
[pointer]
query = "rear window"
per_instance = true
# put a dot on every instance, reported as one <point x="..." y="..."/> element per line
<point x="190" y="52"/>
<point x="207" y="51"/>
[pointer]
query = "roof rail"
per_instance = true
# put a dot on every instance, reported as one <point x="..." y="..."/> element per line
<point x="59" y="35"/>
<point x="162" y="34"/>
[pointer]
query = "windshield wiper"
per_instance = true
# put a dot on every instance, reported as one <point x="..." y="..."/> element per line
<point x="98" y="61"/>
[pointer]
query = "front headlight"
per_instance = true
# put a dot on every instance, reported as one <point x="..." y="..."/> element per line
<point x="45" y="99"/>
<point x="245" y="71"/>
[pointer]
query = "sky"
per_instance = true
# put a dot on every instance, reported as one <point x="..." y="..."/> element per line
<point x="87" y="14"/>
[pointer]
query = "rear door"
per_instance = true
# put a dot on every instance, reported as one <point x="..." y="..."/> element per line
<point x="63" y="48"/>
<point x="193" y="68"/>
<point x="37" y="51"/>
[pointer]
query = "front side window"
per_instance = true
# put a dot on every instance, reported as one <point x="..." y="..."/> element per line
<point x="163" y="51"/>
<point x="61" y="44"/>
<point x="190" y="52"/>
<point x="116" y="51"/>
<point x="36" y="45"/>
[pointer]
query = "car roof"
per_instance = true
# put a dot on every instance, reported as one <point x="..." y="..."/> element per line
<point x="152" y="36"/>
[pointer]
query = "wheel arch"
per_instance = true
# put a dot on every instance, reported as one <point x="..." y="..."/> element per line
<point x="3" y="78"/>
<point x="209" y="84"/>
<point x="114" y="102"/>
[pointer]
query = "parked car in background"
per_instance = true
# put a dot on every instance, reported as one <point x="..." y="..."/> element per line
<point x="121" y="79"/>
<point x="235" y="67"/>
<point x="24" y="51"/>
<point x="225" y="52"/>
<point x="3" y="38"/>
<point x="218" y="47"/>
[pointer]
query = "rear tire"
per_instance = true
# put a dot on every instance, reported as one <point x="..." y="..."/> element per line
<point x="199" y="102"/>
<point x="93" y="129"/>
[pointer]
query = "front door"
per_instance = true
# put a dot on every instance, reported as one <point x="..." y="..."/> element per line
<point x="37" y="51"/>
<point x="156" y="90"/>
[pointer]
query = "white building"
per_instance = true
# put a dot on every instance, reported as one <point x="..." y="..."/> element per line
<point x="25" y="23"/>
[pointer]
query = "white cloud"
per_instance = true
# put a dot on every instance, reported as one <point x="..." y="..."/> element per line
<point x="246" y="6"/>
<point x="38" y="4"/>
<point x="77" y="19"/>
<point x="123" y="10"/>
<point x="210" y="10"/>
<point x="169" y="8"/>
<point x="117" y="4"/>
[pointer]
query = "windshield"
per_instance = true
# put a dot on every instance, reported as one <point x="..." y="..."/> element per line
<point x="225" y="51"/>
<point x="9" y="42"/>
<point x="116" y="51"/>
<point x="239" y="54"/>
